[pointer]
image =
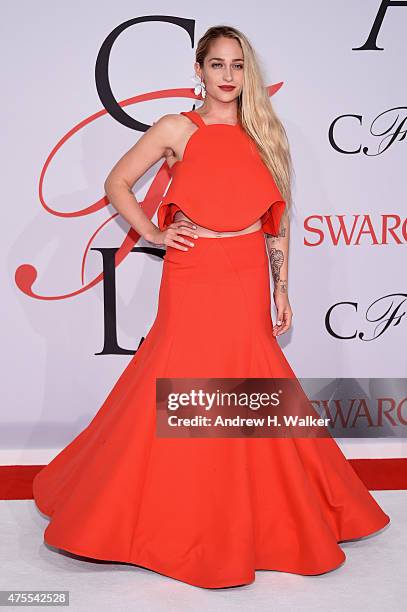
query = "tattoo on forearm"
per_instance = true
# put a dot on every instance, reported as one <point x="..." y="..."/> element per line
<point x="282" y="286"/>
<point x="276" y="260"/>
<point x="276" y="256"/>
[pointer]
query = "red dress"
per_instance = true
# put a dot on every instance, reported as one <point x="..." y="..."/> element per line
<point x="207" y="511"/>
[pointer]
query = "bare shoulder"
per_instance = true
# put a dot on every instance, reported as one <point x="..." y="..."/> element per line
<point x="171" y="123"/>
<point x="172" y="130"/>
<point x="162" y="139"/>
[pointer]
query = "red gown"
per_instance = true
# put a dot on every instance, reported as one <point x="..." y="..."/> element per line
<point x="207" y="511"/>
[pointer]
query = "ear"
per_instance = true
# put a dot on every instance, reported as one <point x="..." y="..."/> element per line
<point x="197" y="69"/>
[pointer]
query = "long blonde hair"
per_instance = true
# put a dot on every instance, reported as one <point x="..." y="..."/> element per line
<point x="255" y="111"/>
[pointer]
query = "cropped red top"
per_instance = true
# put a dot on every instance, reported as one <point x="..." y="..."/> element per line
<point x="222" y="183"/>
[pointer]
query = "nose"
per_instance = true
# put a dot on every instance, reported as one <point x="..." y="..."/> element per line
<point x="227" y="74"/>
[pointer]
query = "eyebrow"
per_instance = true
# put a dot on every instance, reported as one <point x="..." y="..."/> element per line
<point x="238" y="59"/>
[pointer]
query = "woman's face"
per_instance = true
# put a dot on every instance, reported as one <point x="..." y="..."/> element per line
<point x="223" y="65"/>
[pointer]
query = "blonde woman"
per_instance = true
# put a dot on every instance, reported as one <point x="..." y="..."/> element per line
<point x="208" y="510"/>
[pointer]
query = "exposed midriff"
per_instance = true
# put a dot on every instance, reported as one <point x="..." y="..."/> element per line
<point x="205" y="232"/>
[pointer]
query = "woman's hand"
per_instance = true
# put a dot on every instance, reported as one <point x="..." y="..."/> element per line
<point x="284" y="313"/>
<point x="174" y="234"/>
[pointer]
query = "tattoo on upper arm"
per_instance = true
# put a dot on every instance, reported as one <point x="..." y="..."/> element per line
<point x="282" y="234"/>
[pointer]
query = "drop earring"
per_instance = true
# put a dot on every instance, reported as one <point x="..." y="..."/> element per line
<point x="199" y="87"/>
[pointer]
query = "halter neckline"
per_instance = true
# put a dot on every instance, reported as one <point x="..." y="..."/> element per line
<point x="202" y="122"/>
<point x="221" y="182"/>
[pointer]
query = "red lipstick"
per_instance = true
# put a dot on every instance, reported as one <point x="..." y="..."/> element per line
<point x="227" y="87"/>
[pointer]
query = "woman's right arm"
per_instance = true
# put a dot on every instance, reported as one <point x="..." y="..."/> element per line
<point x="150" y="147"/>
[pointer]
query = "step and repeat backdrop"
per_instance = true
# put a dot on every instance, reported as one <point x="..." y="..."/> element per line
<point x="81" y="84"/>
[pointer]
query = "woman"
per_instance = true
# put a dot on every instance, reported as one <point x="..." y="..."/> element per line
<point x="208" y="511"/>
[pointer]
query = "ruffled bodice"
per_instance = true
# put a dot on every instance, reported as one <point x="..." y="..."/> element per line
<point x="222" y="183"/>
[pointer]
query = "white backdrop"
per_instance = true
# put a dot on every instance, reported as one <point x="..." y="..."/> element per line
<point x="54" y="381"/>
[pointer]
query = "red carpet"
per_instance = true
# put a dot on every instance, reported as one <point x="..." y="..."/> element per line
<point x="376" y="474"/>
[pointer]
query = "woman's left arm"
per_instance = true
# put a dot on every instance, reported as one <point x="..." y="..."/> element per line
<point x="277" y="249"/>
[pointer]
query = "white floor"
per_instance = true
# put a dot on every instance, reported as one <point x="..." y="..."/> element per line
<point x="372" y="578"/>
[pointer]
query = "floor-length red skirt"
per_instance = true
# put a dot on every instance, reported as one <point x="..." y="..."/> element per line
<point x="207" y="511"/>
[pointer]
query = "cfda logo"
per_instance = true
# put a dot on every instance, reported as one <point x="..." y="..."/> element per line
<point x="380" y="316"/>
